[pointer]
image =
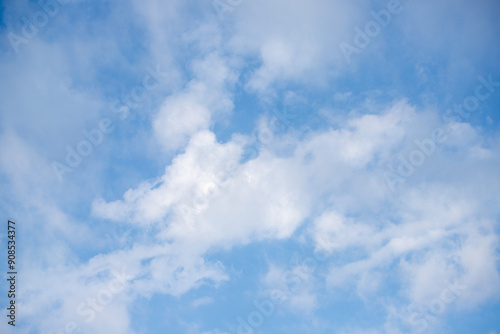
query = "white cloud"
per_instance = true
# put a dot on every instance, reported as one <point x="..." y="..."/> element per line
<point x="270" y="196"/>
<point x="293" y="40"/>
<point x="205" y="98"/>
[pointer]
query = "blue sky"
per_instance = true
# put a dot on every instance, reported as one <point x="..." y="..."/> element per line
<point x="235" y="166"/>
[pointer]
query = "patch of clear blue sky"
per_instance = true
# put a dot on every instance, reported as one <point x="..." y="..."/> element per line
<point x="483" y="320"/>
<point x="2" y="10"/>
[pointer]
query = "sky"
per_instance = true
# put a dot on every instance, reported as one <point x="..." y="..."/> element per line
<point x="239" y="167"/>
